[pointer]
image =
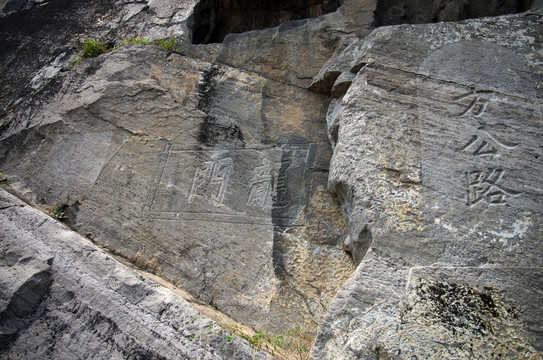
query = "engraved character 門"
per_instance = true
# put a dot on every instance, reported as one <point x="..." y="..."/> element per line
<point x="210" y="180"/>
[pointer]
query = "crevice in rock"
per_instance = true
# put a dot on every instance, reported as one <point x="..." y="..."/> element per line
<point x="358" y="246"/>
<point x="23" y="306"/>
<point x="213" y="131"/>
<point x="395" y="12"/>
<point x="214" y="19"/>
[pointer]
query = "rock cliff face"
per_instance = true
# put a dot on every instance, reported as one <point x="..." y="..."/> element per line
<point x="196" y="166"/>
<point x="64" y="298"/>
<point x="437" y="160"/>
<point x="258" y="169"/>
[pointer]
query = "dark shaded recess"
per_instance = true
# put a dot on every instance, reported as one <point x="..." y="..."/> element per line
<point x="211" y="132"/>
<point x="288" y="187"/>
<point x="358" y="247"/>
<point x="214" y="19"/>
<point x="31" y="39"/>
<point x="23" y="306"/>
<point x="206" y="88"/>
<point x="279" y="215"/>
<point x="70" y="213"/>
<point x="395" y="12"/>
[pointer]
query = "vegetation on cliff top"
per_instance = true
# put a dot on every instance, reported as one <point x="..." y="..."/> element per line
<point x="93" y="48"/>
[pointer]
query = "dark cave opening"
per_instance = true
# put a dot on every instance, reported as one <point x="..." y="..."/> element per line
<point x="214" y="19"/>
<point x="395" y="12"/>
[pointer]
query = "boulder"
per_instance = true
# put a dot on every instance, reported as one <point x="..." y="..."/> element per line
<point x="213" y="177"/>
<point x="437" y="162"/>
<point x="63" y="298"/>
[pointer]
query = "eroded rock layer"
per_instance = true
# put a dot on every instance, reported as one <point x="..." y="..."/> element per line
<point x="63" y="298"/>
<point x="211" y="166"/>
<point x="437" y="158"/>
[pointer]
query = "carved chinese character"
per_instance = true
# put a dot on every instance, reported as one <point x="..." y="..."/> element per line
<point x="210" y="180"/>
<point x="485" y="144"/>
<point x="281" y="196"/>
<point x="479" y="103"/>
<point x="261" y="185"/>
<point x="483" y="186"/>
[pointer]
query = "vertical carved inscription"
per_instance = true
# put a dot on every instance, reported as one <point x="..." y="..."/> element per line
<point x="470" y="125"/>
<point x="483" y="184"/>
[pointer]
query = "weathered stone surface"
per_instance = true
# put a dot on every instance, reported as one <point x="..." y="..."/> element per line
<point x="213" y="20"/>
<point x="24" y="283"/>
<point x="46" y="314"/>
<point x="213" y="177"/>
<point x="38" y="42"/>
<point x="437" y="160"/>
<point x="209" y="167"/>
<point x="295" y="51"/>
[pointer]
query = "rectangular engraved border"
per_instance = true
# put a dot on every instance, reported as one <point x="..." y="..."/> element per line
<point x="299" y="202"/>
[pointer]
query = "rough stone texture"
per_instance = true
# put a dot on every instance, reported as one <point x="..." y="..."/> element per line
<point x="213" y="19"/>
<point x="294" y="52"/>
<point x="44" y="314"/>
<point x="437" y="160"/>
<point x="38" y="43"/>
<point x="209" y="167"/>
<point x="212" y="177"/>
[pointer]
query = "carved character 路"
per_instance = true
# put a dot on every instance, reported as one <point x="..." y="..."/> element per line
<point x="483" y="186"/>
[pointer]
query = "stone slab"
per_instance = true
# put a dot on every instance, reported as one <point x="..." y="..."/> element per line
<point x="207" y="175"/>
<point x="67" y="298"/>
<point x="437" y="158"/>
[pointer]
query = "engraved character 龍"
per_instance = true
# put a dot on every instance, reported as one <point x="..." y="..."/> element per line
<point x="261" y="185"/>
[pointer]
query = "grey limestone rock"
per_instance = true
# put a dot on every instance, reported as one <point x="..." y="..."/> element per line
<point x="210" y="167"/>
<point x="213" y="177"/>
<point x="437" y="162"/>
<point x="295" y="51"/>
<point x="64" y="298"/>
